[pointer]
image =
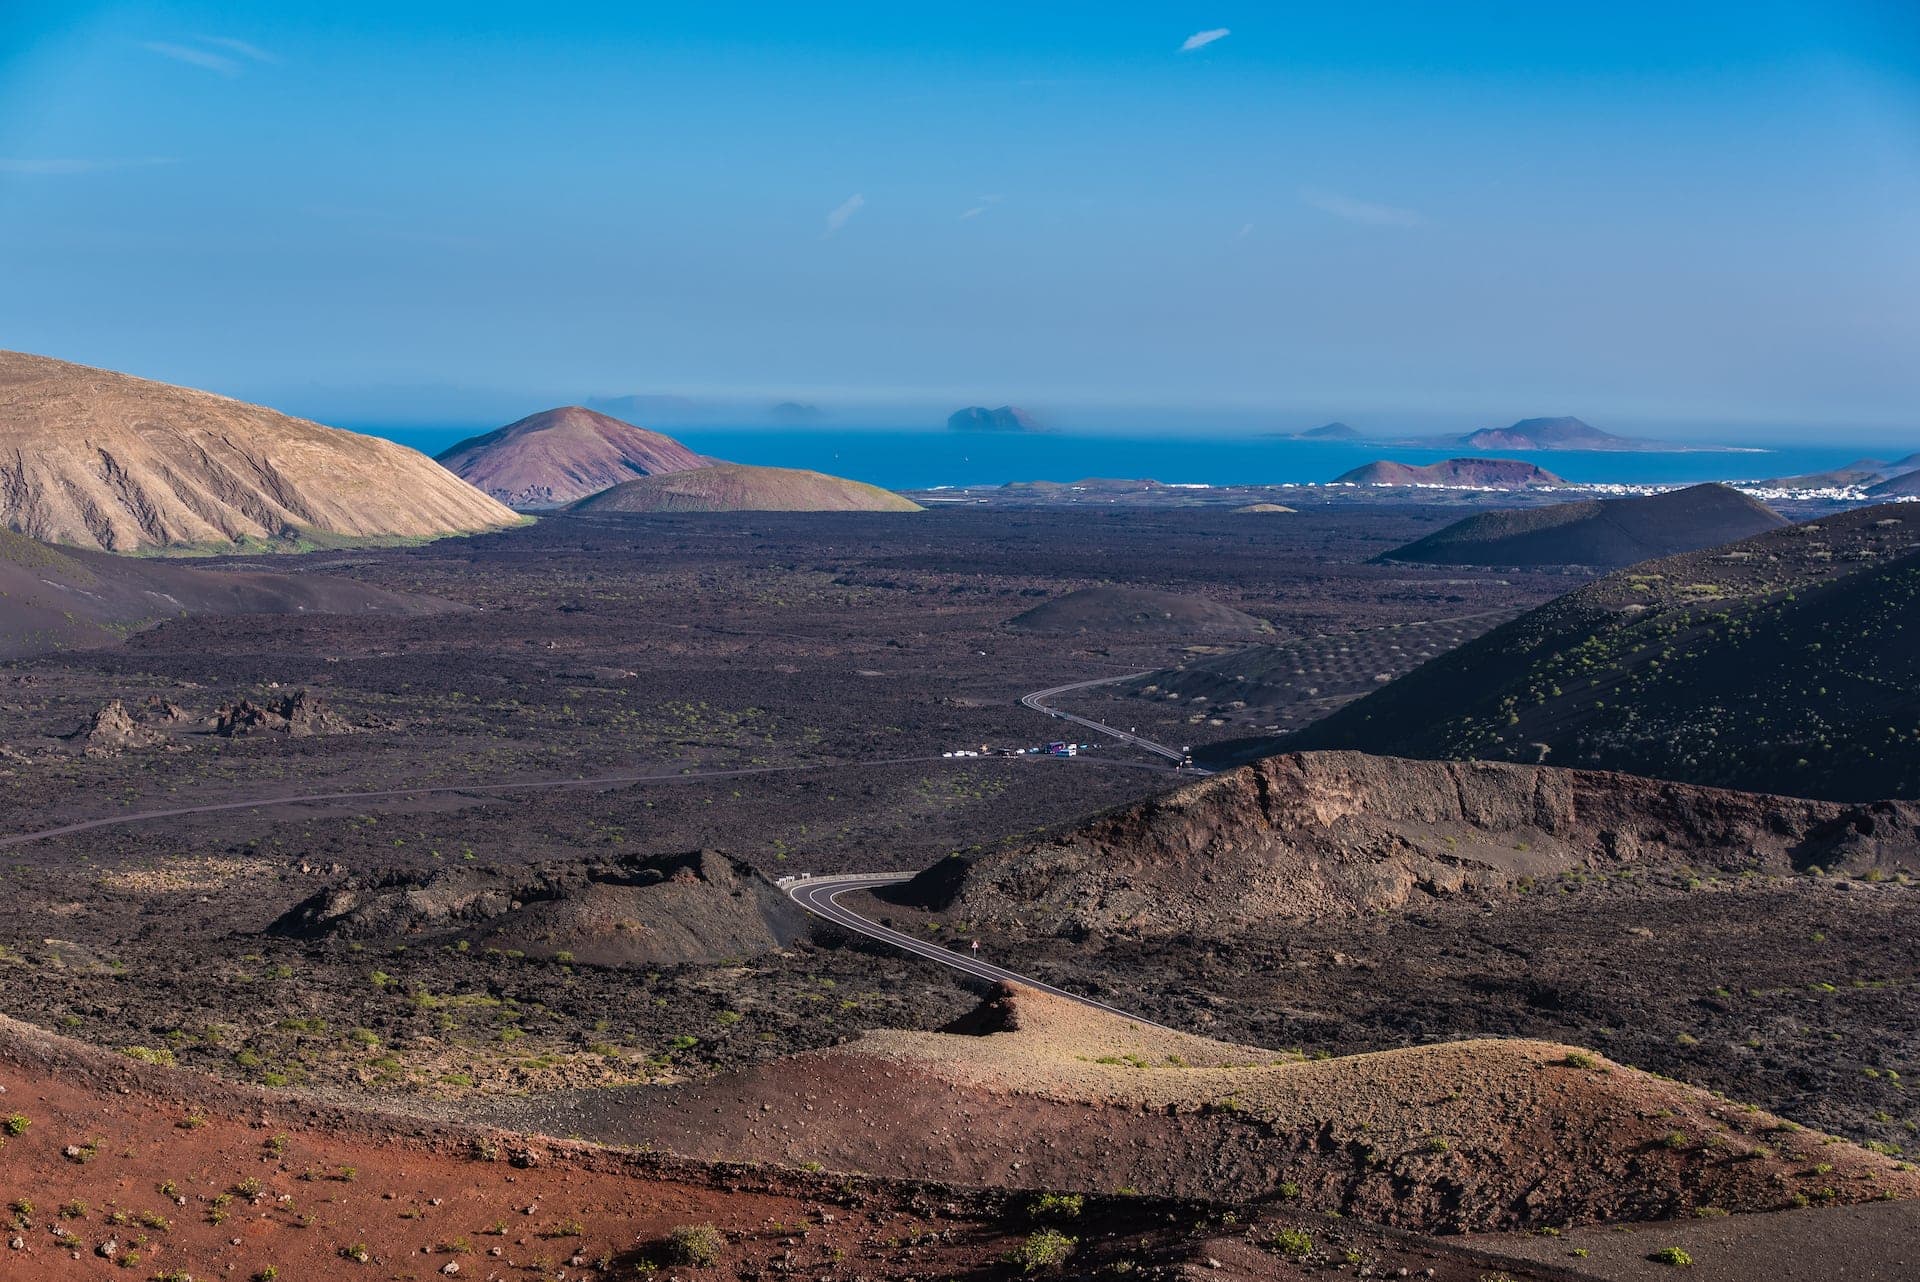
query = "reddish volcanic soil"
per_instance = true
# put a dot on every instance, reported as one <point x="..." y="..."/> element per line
<point x="170" y="1175"/>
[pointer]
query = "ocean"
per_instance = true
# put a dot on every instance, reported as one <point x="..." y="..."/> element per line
<point x="909" y="459"/>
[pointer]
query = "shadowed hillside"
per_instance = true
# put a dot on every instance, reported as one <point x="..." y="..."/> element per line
<point x="1603" y="532"/>
<point x="1786" y="663"/>
<point x="56" y="598"/>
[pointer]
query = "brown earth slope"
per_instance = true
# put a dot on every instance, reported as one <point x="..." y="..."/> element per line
<point x="56" y="598"/>
<point x="1603" y="532"/>
<point x="554" y="457"/>
<point x="1785" y="663"/>
<point x="1038" y="1092"/>
<point x="736" y="487"/>
<point x="114" y="1167"/>
<point x="1339" y="833"/>
<point x="97" y="459"/>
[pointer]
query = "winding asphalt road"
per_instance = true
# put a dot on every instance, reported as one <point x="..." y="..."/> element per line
<point x="1038" y="702"/>
<point x="820" y="896"/>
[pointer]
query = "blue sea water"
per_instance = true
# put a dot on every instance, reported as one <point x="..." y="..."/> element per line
<point x="909" y="459"/>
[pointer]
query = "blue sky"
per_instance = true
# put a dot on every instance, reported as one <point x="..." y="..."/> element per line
<point x="1699" y="219"/>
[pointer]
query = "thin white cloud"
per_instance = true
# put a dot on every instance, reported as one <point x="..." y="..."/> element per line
<point x="252" y="52"/>
<point x="1361" y="211"/>
<point x="985" y="203"/>
<point x="843" y="212"/>
<point x="1246" y="230"/>
<point x="1201" y="39"/>
<point x="60" y="166"/>
<point x="194" y="57"/>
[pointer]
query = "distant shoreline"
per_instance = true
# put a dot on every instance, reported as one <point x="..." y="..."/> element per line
<point x="921" y="459"/>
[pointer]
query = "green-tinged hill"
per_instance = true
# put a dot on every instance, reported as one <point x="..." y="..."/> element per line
<point x="1786" y="663"/>
<point x="57" y="598"/>
<point x="736" y="487"/>
<point x="95" y="459"/>
<point x="1601" y="532"/>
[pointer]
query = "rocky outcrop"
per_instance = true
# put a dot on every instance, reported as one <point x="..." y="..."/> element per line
<point x="1312" y="834"/>
<point x="112" y="731"/>
<point x="298" y="714"/>
<point x="643" y="911"/>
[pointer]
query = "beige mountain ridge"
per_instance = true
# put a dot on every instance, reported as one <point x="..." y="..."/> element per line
<point x="95" y="459"/>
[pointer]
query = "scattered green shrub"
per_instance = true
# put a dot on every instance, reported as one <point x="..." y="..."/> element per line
<point x="698" y="1246"/>
<point x="1043" y="1249"/>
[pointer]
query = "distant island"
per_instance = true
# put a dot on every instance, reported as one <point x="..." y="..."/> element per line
<point x="1335" y="431"/>
<point x="1562" y="433"/>
<point x="1469" y="473"/>
<point x="794" y="412"/>
<point x="978" y="418"/>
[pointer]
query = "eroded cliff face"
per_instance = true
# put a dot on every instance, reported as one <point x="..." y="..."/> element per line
<point x="1309" y="834"/>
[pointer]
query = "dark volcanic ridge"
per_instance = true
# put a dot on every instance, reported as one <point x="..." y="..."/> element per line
<point x="1136" y="610"/>
<point x="1905" y="485"/>
<point x="1307" y="835"/>
<point x="1867" y="473"/>
<point x="66" y="598"/>
<point x="1597" y="532"/>
<point x="641" y="911"/>
<point x="554" y="457"/>
<point x="1454" y="473"/>
<point x="1784" y="663"/>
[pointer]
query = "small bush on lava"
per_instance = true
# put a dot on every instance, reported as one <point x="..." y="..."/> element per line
<point x="1043" y="1249"/>
<point x="695" y="1246"/>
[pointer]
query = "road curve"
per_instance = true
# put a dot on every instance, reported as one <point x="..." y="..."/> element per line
<point x="820" y="896"/>
<point x="1038" y="702"/>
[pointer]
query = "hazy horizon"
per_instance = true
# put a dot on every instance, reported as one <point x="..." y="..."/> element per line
<point x="1695" y="224"/>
